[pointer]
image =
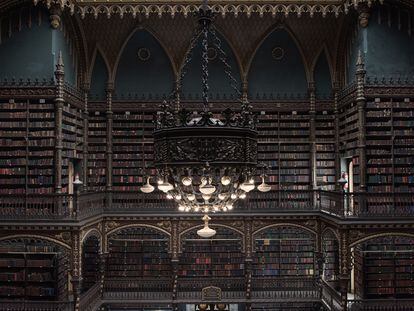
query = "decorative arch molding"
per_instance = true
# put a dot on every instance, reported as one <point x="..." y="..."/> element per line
<point x="285" y="224"/>
<point x="112" y="231"/>
<point x="114" y="71"/>
<point x="92" y="233"/>
<point x="89" y="72"/>
<point x="40" y="237"/>
<point x="323" y="81"/>
<point x="323" y="52"/>
<point x="330" y="230"/>
<point x="181" y="234"/>
<point x="378" y="235"/>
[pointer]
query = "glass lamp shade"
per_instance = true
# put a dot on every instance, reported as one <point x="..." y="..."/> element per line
<point x="77" y="181"/>
<point x="206" y="197"/>
<point x="169" y="196"/>
<point x="186" y="181"/>
<point x="165" y="186"/>
<point x="178" y="197"/>
<point x="181" y="208"/>
<point x="207" y="189"/>
<point x="222" y="196"/>
<point x="233" y="196"/>
<point x="206" y="232"/>
<point x="229" y="206"/>
<point x="191" y="197"/>
<point x="263" y="187"/>
<point x="147" y="188"/>
<point x="225" y="180"/>
<point x="247" y="186"/>
<point x="242" y="195"/>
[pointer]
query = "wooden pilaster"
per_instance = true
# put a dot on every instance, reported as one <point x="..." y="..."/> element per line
<point x="85" y="137"/>
<point x="60" y="75"/>
<point x="312" y="134"/>
<point x="337" y="139"/>
<point x="361" y="102"/>
<point x="109" y="121"/>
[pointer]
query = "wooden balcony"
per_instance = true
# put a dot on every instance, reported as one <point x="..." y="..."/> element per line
<point x="81" y="206"/>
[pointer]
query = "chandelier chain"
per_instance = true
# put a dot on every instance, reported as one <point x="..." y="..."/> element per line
<point x="204" y="65"/>
<point x="223" y="59"/>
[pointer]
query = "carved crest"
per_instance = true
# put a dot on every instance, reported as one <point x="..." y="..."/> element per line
<point x="211" y="293"/>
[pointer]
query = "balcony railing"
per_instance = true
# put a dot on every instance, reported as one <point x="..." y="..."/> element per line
<point x="19" y="305"/>
<point x="381" y="305"/>
<point x="67" y="207"/>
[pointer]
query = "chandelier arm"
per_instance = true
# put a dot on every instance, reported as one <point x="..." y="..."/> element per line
<point x="223" y="59"/>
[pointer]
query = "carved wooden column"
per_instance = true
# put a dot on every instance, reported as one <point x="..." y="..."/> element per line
<point x="361" y="102"/>
<point x="86" y="88"/>
<point x="76" y="268"/>
<point x="337" y="138"/>
<point x="60" y="75"/>
<point x="109" y="121"/>
<point x="248" y="228"/>
<point x="344" y="267"/>
<point x="312" y="133"/>
<point x="174" y="261"/>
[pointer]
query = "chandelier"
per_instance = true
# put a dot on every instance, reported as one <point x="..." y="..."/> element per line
<point x="205" y="162"/>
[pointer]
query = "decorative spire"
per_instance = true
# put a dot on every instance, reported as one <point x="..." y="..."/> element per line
<point x="360" y="77"/>
<point x="60" y="66"/>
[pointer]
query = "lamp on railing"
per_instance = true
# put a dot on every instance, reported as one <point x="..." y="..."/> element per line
<point x="77" y="181"/>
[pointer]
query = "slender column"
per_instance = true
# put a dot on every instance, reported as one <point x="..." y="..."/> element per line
<point x="85" y="136"/>
<point x="337" y="138"/>
<point x="109" y="121"/>
<point x="248" y="260"/>
<point x="174" y="262"/>
<point x="60" y="75"/>
<point x="344" y="267"/>
<point x="361" y="102"/>
<point x="76" y="268"/>
<point x="312" y="134"/>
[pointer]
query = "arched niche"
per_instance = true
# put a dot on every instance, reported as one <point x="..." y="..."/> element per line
<point x="31" y="49"/>
<point x="91" y="261"/>
<point x="284" y="251"/>
<point x="138" y="252"/>
<point x="277" y="69"/>
<point x="35" y="268"/>
<point x="383" y="267"/>
<point x="99" y="78"/>
<point x="221" y="256"/>
<point x="220" y="86"/>
<point x="322" y="77"/>
<point x="143" y="69"/>
<point x="330" y="250"/>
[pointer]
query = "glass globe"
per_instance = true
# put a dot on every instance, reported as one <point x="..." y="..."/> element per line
<point x="206" y="197"/>
<point x="147" y="188"/>
<point x="178" y="197"/>
<point x="165" y="186"/>
<point x="233" y="196"/>
<point x="191" y="197"/>
<point x="187" y="181"/>
<point x="222" y="196"/>
<point x="242" y="195"/>
<point x="225" y="180"/>
<point x="169" y="196"/>
<point x="207" y="189"/>
<point x="229" y="206"/>
<point x="247" y="186"/>
<point x="263" y="187"/>
<point x="181" y="208"/>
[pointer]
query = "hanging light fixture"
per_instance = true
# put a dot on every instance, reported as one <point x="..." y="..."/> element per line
<point x="206" y="231"/>
<point x="205" y="163"/>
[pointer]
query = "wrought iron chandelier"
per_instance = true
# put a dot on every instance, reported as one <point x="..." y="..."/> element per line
<point x="205" y="163"/>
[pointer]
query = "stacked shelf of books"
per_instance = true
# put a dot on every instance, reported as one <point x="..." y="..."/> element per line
<point x="132" y="147"/>
<point x="29" y="272"/>
<point x="41" y="140"/>
<point x="330" y="246"/>
<point x="325" y="150"/>
<point x="72" y="132"/>
<point x="348" y="133"/>
<point x="379" y="132"/>
<point x="90" y="263"/>
<point x="358" y="260"/>
<point x="389" y="268"/>
<point x="138" y="252"/>
<point x="13" y="142"/>
<point x="284" y="251"/>
<point x="294" y="150"/>
<point x="220" y="256"/>
<point x="403" y="127"/>
<point x="97" y="151"/>
<point x="268" y="145"/>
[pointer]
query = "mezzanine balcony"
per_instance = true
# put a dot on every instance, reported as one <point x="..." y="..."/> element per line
<point x="81" y="206"/>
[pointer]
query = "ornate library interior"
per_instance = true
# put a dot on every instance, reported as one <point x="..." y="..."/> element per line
<point x="194" y="155"/>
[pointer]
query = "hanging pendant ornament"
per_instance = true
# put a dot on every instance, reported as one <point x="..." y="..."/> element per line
<point x="206" y="232"/>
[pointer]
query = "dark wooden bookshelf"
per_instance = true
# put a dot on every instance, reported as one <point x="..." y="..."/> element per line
<point x="220" y="256"/>
<point x="284" y="251"/>
<point x="138" y="252"/>
<point x="90" y="263"/>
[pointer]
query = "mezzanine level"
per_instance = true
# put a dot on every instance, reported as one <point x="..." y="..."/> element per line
<point x="81" y="206"/>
